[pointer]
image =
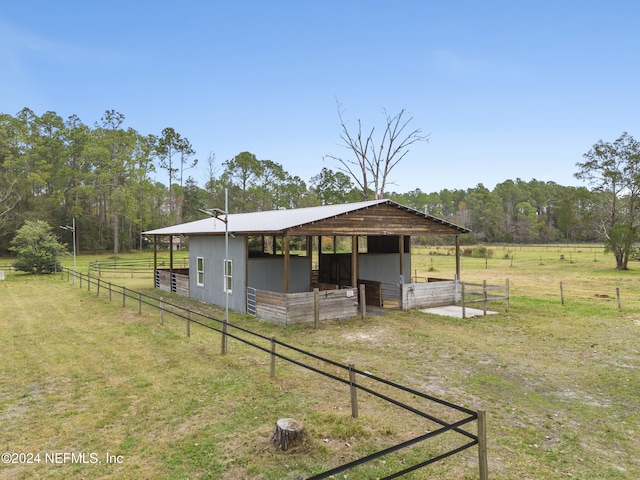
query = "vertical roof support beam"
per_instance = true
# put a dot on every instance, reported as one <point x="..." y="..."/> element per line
<point x="170" y="258"/>
<point x="354" y="261"/>
<point x="457" y="257"/>
<point x="287" y="264"/>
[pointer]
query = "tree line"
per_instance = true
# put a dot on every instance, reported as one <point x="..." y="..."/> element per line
<point x="56" y="169"/>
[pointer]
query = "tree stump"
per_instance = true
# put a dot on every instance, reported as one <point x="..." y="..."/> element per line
<point x="288" y="433"/>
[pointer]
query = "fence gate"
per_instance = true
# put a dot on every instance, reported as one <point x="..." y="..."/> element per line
<point x="251" y="301"/>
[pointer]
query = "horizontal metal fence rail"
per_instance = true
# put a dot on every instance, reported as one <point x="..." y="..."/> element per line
<point x="142" y="265"/>
<point x="235" y="332"/>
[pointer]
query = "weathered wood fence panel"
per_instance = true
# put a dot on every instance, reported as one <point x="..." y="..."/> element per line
<point x="430" y="294"/>
<point x="294" y="308"/>
<point x="176" y="281"/>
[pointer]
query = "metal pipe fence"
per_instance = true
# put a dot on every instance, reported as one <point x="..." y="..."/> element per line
<point x="356" y="379"/>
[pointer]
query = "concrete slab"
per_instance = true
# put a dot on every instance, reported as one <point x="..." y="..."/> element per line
<point x="455" y="311"/>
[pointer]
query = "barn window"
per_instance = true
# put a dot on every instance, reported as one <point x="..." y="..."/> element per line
<point x="228" y="276"/>
<point x="200" y="269"/>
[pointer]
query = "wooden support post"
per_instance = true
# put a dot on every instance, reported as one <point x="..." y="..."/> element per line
<point x="354" y="261"/>
<point x="124" y="296"/>
<point x="464" y="309"/>
<point x="88" y="282"/>
<point x="482" y="445"/>
<point x="458" y="256"/>
<point x="316" y="307"/>
<point x="508" y="294"/>
<point x="170" y="257"/>
<point x="484" y="293"/>
<point x="618" y="298"/>
<point x="155" y="254"/>
<point x="161" y="309"/>
<point x="363" y="302"/>
<point x="98" y="288"/>
<point x="109" y="291"/>
<point x="139" y="303"/>
<point x="354" y="391"/>
<point x="273" y="357"/>
<point x="80" y="281"/>
<point x="287" y="263"/>
<point x="561" y="293"/>
<point x="188" y="323"/>
<point x="402" y="280"/>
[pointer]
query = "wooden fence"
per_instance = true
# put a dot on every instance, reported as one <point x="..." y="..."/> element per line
<point x="355" y="379"/>
<point x="430" y="294"/>
<point x="473" y="293"/>
<point x="176" y="281"/>
<point x="305" y="307"/>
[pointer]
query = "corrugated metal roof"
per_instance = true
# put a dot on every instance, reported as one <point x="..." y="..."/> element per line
<point x="276" y="221"/>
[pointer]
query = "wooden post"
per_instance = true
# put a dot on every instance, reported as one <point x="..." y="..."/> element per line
<point x="109" y="291"/>
<point x="287" y="263"/>
<point x="98" y="289"/>
<point x="354" y="391"/>
<point x="508" y="293"/>
<point x="124" y="289"/>
<point x="618" y="298"/>
<point x="561" y="293"/>
<point x="139" y="303"/>
<point x="354" y="261"/>
<point x="170" y="258"/>
<point x="273" y="357"/>
<point x="458" y="256"/>
<point x="464" y="310"/>
<point x="188" y="323"/>
<point x="401" y="287"/>
<point x="316" y="307"/>
<point x="484" y="293"/>
<point x="80" y="281"/>
<point x="363" y="301"/>
<point x="482" y="445"/>
<point x="88" y="282"/>
<point x="155" y="254"/>
<point x="161" y="308"/>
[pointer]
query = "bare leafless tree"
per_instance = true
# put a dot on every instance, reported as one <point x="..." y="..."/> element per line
<point x="9" y="198"/>
<point x="374" y="161"/>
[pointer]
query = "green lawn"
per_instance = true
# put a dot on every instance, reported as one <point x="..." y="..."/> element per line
<point x="560" y="384"/>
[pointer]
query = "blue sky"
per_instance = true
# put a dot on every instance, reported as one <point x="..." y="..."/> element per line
<point x="504" y="89"/>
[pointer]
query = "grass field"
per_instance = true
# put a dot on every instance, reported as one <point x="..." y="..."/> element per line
<point x="560" y="384"/>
